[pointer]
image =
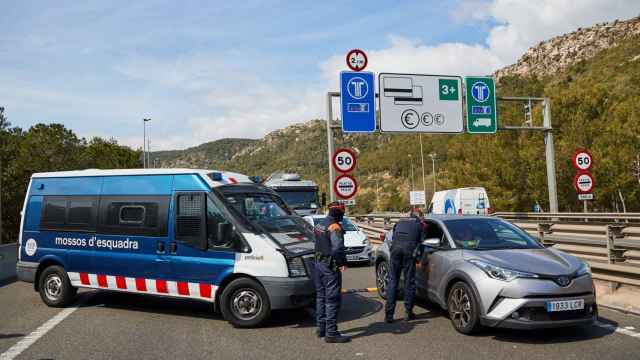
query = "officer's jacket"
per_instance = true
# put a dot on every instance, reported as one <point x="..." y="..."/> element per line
<point x="407" y="234"/>
<point x="330" y="241"/>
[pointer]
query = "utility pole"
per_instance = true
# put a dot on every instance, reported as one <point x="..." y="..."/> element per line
<point x="433" y="169"/>
<point x="330" y="149"/>
<point x="144" y="142"/>
<point x="550" y="156"/>
<point x="636" y="168"/>
<point x="424" y="184"/>
<point x="411" y="161"/>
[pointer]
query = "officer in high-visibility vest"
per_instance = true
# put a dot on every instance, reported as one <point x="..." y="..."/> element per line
<point x="331" y="261"/>
<point x="405" y="248"/>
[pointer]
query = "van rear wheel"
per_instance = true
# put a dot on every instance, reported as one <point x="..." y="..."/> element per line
<point x="244" y="303"/>
<point x="55" y="287"/>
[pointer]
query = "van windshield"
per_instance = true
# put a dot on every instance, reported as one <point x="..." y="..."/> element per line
<point x="268" y="212"/>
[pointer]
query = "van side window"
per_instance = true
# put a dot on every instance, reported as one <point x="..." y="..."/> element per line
<point x="134" y="215"/>
<point x="190" y="219"/>
<point x="69" y="213"/>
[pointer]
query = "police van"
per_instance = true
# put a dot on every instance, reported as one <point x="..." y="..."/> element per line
<point x="197" y="234"/>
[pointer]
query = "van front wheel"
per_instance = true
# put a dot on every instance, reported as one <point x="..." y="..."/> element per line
<point x="55" y="287"/>
<point x="244" y="303"/>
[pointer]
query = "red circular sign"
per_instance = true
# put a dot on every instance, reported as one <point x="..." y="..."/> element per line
<point x="344" y="160"/>
<point x="357" y="60"/>
<point x="345" y="186"/>
<point x="582" y="160"/>
<point x="584" y="183"/>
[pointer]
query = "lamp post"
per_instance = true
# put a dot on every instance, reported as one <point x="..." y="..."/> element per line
<point x="433" y="169"/>
<point x="424" y="184"/>
<point x="411" y="161"/>
<point x="144" y="142"/>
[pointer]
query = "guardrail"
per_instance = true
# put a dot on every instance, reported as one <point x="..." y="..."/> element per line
<point x="609" y="242"/>
<point x="8" y="259"/>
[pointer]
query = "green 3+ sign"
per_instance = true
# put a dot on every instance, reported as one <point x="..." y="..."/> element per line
<point x="481" y="105"/>
<point x="448" y="89"/>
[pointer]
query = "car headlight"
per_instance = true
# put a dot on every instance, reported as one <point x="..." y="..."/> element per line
<point x="296" y="267"/>
<point x="500" y="273"/>
<point x="584" y="269"/>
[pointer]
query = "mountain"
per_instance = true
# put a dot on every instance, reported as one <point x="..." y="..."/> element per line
<point x="551" y="56"/>
<point x="207" y="156"/>
<point x="592" y="77"/>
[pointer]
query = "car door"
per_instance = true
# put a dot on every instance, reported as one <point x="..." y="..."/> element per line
<point x="190" y="261"/>
<point x="434" y="262"/>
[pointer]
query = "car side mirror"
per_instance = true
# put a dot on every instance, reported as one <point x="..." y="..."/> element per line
<point x="224" y="233"/>
<point x="431" y="242"/>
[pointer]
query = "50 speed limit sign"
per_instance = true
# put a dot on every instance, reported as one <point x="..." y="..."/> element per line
<point x="344" y="160"/>
<point x="582" y="160"/>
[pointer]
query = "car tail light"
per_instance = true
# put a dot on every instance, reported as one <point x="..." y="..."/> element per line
<point x="459" y="211"/>
<point x="382" y="237"/>
<point x="489" y="211"/>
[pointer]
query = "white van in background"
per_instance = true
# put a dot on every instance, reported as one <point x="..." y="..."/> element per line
<point x="470" y="200"/>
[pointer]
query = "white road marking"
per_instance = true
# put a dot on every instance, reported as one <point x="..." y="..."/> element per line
<point x="617" y="329"/>
<point x="30" y="339"/>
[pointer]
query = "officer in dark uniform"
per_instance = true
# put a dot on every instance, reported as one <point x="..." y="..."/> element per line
<point x="405" y="248"/>
<point x="330" y="262"/>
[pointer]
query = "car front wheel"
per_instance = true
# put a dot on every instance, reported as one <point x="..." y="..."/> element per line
<point x="55" y="287"/>
<point x="244" y="303"/>
<point x="463" y="309"/>
<point x="382" y="278"/>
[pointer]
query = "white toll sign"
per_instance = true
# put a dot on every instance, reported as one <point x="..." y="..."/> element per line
<point x="345" y="186"/>
<point x="344" y="160"/>
<point x="582" y="160"/>
<point x="420" y="103"/>
<point x="583" y="183"/>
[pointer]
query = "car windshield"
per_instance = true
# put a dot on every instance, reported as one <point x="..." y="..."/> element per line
<point x="488" y="234"/>
<point x="347" y="225"/>
<point x="268" y="212"/>
<point x="299" y="199"/>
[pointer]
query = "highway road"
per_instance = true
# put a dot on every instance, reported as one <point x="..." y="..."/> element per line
<point x="106" y="325"/>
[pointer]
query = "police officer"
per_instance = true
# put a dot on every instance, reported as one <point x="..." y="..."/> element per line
<point x="330" y="262"/>
<point x="405" y="248"/>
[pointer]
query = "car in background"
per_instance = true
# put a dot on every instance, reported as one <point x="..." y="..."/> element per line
<point x="358" y="247"/>
<point x="486" y="271"/>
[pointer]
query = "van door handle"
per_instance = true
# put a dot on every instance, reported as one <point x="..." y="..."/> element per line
<point x="173" y="247"/>
<point x="162" y="260"/>
<point x="160" y="247"/>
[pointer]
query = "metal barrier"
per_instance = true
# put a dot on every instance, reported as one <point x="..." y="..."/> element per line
<point x="609" y="242"/>
<point x="8" y="259"/>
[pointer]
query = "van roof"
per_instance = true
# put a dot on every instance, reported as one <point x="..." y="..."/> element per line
<point x="227" y="177"/>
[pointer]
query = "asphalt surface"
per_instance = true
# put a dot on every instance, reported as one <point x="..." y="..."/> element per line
<point x="122" y="326"/>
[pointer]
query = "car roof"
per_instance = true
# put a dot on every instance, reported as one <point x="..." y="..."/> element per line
<point x="226" y="177"/>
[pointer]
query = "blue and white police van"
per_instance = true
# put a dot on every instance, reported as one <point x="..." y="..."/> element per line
<point x="197" y="234"/>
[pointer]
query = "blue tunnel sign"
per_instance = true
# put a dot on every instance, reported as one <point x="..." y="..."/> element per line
<point x="357" y="101"/>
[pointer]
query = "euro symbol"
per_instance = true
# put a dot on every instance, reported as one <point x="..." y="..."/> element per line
<point x="410" y="119"/>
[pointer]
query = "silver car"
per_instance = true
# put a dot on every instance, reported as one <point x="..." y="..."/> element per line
<point x="487" y="272"/>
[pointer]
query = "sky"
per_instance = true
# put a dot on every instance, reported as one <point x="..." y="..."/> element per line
<point x="206" y="70"/>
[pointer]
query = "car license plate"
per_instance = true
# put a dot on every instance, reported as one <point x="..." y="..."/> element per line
<point x="352" y="257"/>
<point x="565" y="305"/>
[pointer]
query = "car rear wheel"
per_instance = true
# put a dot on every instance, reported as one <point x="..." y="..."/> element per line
<point x="382" y="278"/>
<point x="55" y="287"/>
<point x="244" y="303"/>
<point x="463" y="309"/>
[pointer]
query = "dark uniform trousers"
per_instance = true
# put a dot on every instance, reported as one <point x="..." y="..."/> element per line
<point x="402" y="261"/>
<point x="328" y="297"/>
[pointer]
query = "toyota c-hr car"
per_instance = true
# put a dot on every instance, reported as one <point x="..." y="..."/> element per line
<point x="358" y="247"/>
<point x="487" y="272"/>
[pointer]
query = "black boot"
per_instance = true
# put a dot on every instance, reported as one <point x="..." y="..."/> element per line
<point x="409" y="316"/>
<point x="388" y="319"/>
<point x="337" y="338"/>
<point x="319" y="333"/>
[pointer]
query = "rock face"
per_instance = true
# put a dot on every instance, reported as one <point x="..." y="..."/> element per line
<point x="560" y="52"/>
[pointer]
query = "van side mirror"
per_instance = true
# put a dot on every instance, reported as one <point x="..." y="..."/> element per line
<point x="431" y="242"/>
<point x="224" y="233"/>
<point x="324" y="199"/>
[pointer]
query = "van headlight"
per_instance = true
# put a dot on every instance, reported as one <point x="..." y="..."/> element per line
<point x="500" y="273"/>
<point x="584" y="269"/>
<point x="296" y="267"/>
